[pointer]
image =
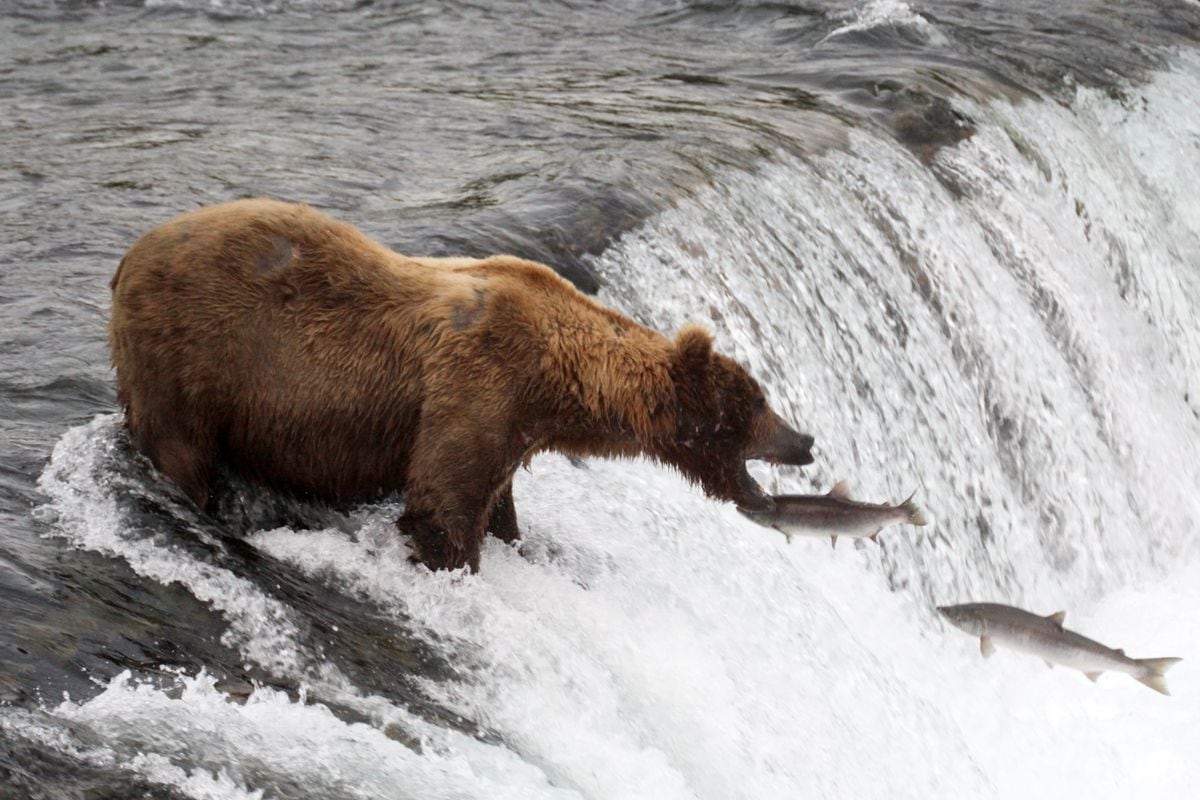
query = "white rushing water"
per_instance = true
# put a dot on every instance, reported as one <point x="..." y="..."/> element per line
<point x="1014" y="332"/>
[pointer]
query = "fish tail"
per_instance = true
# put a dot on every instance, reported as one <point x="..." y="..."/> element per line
<point x="1154" y="669"/>
<point x="915" y="515"/>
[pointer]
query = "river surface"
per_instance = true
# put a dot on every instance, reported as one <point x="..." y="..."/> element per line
<point x="958" y="242"/>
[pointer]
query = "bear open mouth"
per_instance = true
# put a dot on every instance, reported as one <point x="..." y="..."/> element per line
<point x="778" y="445"/>
<point x="750" y="496"/>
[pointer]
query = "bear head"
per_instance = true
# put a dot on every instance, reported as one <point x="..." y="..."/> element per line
<point x="722" y="420"/>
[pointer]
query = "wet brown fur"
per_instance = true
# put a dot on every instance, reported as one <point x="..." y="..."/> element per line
<point x="315" y="360"/>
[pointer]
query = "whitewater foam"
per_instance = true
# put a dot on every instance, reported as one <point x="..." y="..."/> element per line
<point x="671" y="649"/>
<point x="880" y="13"/>
<point x="79" y="480"/>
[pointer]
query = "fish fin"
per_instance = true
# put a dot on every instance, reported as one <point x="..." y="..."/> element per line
<point x="874" y="537"/>
<point x="915" y="515"/>
<point x="833" y="541"/>
<point x="1159" y="665"/>
<point x="1057" y="617"/>
<point x="1156" y="682"/>
<point x="1093" y="676"/>
<point x="1155" y="667"/>
<point x="840" y="490"/>
<point x="985" y="646"/>
<point x="1049" y="664"/>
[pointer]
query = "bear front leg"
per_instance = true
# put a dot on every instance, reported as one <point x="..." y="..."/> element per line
<point x="454" y="476"/>
<point x="503" y="519"/>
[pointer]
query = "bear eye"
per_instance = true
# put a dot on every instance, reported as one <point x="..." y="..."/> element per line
<point x="759" y="404"/>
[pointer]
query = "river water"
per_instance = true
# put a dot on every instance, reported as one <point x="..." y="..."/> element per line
<point x="960" y="244"/>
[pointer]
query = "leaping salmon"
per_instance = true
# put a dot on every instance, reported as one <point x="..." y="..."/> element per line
<point x="833" y="515"/>
<point x="1047" y="638"/>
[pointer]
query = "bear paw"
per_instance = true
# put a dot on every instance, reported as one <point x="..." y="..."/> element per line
<point x="433" y="548"/>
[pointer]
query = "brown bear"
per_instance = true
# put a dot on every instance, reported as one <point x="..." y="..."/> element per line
<point x="313" y="359"/>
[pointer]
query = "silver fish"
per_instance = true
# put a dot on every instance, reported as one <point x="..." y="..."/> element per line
<point x="833" y="515"/>
<point x="1047" y="638"/>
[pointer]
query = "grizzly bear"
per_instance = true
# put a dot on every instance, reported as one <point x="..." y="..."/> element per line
<point x="312" y="359"/>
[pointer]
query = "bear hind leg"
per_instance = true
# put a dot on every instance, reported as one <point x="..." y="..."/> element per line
<point x="187" y="461"/>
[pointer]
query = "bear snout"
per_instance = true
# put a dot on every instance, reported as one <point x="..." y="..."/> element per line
<point x="780" y="444"/>
<point x="804" y="452"/>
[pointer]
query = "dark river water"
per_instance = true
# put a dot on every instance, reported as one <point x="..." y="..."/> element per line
<point x="959" y="241"/>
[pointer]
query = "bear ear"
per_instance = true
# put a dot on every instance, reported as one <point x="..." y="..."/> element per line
<point x="693" y="346"/>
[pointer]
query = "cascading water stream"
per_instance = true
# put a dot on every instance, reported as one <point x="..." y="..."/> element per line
<point x="1013" y="330"/>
